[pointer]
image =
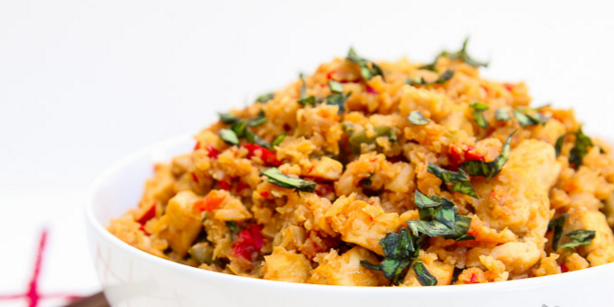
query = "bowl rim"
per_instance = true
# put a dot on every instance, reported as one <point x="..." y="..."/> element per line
<point x="164" y="146"/>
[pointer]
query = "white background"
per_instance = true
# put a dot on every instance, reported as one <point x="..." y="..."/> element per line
<point x="83" y="83"/>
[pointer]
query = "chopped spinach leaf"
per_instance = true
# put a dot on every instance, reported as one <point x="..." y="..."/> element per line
<point x="580" y="149"/>
<point x="265" y="97"/>
<point x="460" y="180"/>
<point x="478" y="114"/>
<point x="229" y="136"/>
<point x="279" y="179"/>
<point x="416" y="118"/>
<point x="579" y="237"/>
<point x="489" y="169"/>
<point x="557" y="225"/>
<point x="368" y="69"/>
<point x="423" y="274"/>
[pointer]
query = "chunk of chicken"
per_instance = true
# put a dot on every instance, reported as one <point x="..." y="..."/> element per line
<point x="283" y="265"/>
<point x="601" y="249"/>
<point x="181" y="224"/>
<point x="538" y="160"/>
<point x="345" y="270"/>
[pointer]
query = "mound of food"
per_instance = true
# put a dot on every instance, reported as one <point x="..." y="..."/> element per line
<point x="382" y="174"/>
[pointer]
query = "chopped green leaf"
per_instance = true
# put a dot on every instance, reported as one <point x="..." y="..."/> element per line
<point x="464" y="56"/>
<point x="229" y="136"/>
<point x="580" y="149"/>
<point x="257" y="121"/>
<point x="478" y="114"/>
<point x="368" y="69"/>
<point x="416" y="118"/>
<point x="558" y="146"/>
<point x="358" y="138"/>
<point x="423" y="274"/>
<point x="580" y="237"/>
<point x="422" y="201"/>
<point x="239" y="128"/>
<point x="460" y="180"/>
<point x="232" y="226"/>
<point x="255" y="139"/>
<point x="557" y="225"/>
<point x="526" y="119"/>
<point x="228" y="118"/>
<point x="398" y="248"/>
<point x="443" y="78"/>
<point x="278" y="139"/>
<point x="438" y="229"/>
<point x="489" y="169"/>
<point x="335" y="86"/>
<point x="502" y="115"/>
<point x="265" y="97"/>
<point x="338" y="100"/>
<point x="304" y="99"/>
<point x="366" y="181"/>
<point x="279" y="179"/>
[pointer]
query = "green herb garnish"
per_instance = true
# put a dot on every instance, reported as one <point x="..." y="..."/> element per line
<point x="478" y="114"/>
<point x="229" y="136"/>
<point x="443" y="78"/>
<point x="228" y="118"/>
<point x="558" y="146"/>
<point x="368" y="69"/>
<point x="335" y="87"/>
<point x="424" y="276"/>
<point x="260" y="120"/>
<point x="399" y="251"/>
<point x="460" y="180"/>
<point x="464" y="56"/>
<point x="255" y="139"/>
<point x="304" y="99"/>
<point x="278" y="139"/>
<point x="557" y="225"/>
<point x="357" y="138"/>
<point x="489" y="169"/>
<point x="416" y="118"/>
<point x="239" y="128"/>
<point x="366" y="181"/>
<point x="232" y="226"/>
<point x="338" y="100"/>
<point x="279" y="179"/>
<point x="526" y="119"/>
<point x="580" y="148"/>
<point x="265" y="97"/>
<point x="502" y="115"/>
<point x="580" y="237"/>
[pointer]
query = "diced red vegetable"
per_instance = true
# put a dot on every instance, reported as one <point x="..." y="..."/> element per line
<point x="473" y="278"/>
<point x="212" y="151"/>
<point x="197" y="146"/>
<point x="266" y="155"/>
<point x="194" y="177"/>
<point x="265" y="194"/>
<point x="148" y="215"/>
<point x="485" y="89"/>
<point x="371" y="90"/>
<point x="211" y="202"/>
<point x="224" y="185"/>
<point x="142" y="228"/>
<point x="459" y="154"/>
<point x="242" y="186"/>
<point x="248" y="243"/>
<point x="564" y="268"/>
<point x="508" y="86"/>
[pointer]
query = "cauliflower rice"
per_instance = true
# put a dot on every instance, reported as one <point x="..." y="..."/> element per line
<point x="382" y="174"/>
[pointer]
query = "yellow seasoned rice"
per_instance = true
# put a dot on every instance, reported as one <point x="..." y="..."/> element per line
<point x="362" y="171"/>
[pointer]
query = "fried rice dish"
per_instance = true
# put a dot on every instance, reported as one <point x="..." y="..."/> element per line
<point x="384" y="174"/>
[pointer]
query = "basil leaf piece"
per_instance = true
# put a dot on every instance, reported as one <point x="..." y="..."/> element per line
<point x="580" y="237"/>
<point x="368" y="69"/>
<point x="265" y="97"/>
<point x="580" y="149"/>
<point x="239" y="128"/>
<point x="422" y="201"/>
<point x="416" y="118"/>
<point x="257" y="121"/>
<point x="255" y="139"/>
<point x="338" y="100"/>
<point x="464" y="56"/>
<point x="558" y="146"/>
<point x="489" y="169"/>
<point x="335" y="86"/>
<point x="438" y="229"/>
<point x="423" y="274"/>
<point x="229" y="136"/>
<point x="370" y="265"/>
<point x="557" y="225"/>
<point x="399" y="250"/>
<point x="443" y="78"/>
<point x="358" y="138"/>
<point x="397" y="245"/>
<point x="228" y="118"/>
<point x="502" y="115"/>
<point x="279" y="179"/>
<point x="278" y="139"/>
<point x="478" y="116"/>
<point x="232" y="227"/>
<point x="304" y="99"/>
<point x="525" y="119"/>
<point x="459" y="179"/>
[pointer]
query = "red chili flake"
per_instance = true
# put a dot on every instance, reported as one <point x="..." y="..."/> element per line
<point x="371" y="90"/>
<point x="564" y="268"/>
<point x="194" y="177"/>
<point x="224" y="185"/>
<point x="485" y="89"/>
<point x="459" y="154"/>
<point x="508" y="86"/>
<point x="212" y="151"/>
<point x="311" y="169"/>
<point x="266" y="155"/>
<point x="142" y="228"/>
<point x="148" y="215"/>
<point x="473" y="278"/>
<point x="248" y="243"/>
<point x="242" y="186"/>
<point x="265" y="194"/>
<point x="197" y="146"/>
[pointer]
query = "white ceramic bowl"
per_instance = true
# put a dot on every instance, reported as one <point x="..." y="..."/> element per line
<point x="133" y="278"/>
